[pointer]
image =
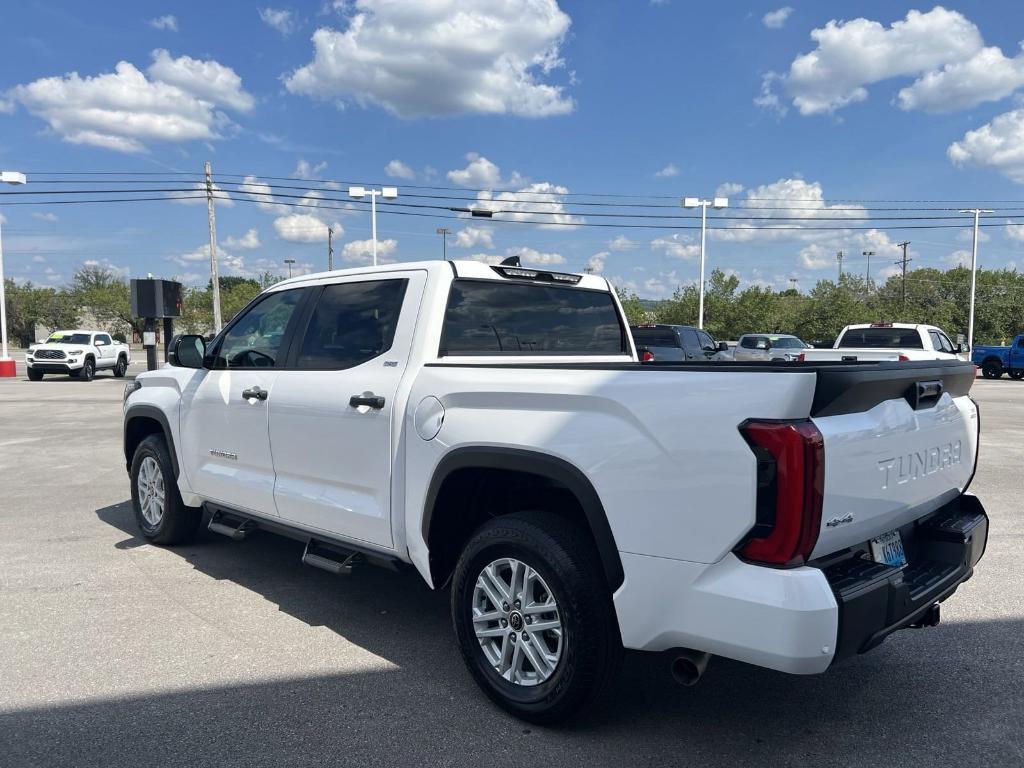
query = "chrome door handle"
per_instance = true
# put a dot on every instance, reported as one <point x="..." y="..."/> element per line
<point x="254" y="393"/>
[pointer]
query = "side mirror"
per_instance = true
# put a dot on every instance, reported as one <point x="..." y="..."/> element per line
<point x="960" y="348"/>
<point x="186" y="351"/>
<point x="723" y="346"/>
<point x="99" y="343"/>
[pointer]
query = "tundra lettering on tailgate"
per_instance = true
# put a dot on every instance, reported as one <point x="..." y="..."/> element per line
<point x="904" y="468"/>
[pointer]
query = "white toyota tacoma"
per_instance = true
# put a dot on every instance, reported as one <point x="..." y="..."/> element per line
<point x="492" y="428"/>
<point x="78" y="354"/>
<point x="887" y="341"/>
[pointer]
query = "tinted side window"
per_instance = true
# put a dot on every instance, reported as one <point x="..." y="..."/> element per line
<point x="491" y="317"/>
<point x="690" y="340"/>
<point x="1021" y="342"/>
<point x="104" y="338"/>
<point x="706" y="342"/>
<point x="748" y="342"/>
<point x="352" y="323"/>
<point x="255" y="339"/>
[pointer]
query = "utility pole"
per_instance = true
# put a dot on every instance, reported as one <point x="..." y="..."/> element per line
<point x="974" y="274"/>
<point x="444" y="232"/>
<point x="839" y="258"/>
<point x="330" y="249"/>
<point x="214" y="277"/>
<point x="903" y="262"/>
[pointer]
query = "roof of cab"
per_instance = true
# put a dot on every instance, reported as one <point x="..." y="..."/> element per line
<point x="463" y="268"/>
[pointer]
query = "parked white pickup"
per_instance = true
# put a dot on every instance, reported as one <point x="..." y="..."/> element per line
<point x="78" y="354"/>
<point x="887" y="341"/>
<point x="492" y="427"/>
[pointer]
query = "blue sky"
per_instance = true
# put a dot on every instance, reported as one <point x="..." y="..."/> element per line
<point x="531" y="99"/>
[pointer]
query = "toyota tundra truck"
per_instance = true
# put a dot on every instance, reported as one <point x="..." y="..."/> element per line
<point x="78" y="354"/>
<point x="491" y="428"/>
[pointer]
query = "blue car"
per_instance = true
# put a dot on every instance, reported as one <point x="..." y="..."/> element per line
<point x="995" y="361"/>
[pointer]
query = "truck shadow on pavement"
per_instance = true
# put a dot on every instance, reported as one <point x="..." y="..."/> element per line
<point x="946" y="696"/>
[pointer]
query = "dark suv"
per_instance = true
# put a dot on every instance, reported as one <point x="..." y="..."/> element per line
<point x="667" y="343"/>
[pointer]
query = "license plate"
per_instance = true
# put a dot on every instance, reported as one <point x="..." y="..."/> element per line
<point x="888" y="549"/>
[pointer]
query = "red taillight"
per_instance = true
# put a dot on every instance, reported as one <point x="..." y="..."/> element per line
<point x="801" y="357"/>
<point x="646" y="356"/>
<point x="903" y="358"/>
<point x="791" y="490"/>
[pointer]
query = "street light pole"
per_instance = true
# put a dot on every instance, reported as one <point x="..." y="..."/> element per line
<point x="444" y="232"/>
<point x="388" y="193"/>
<point x="289" y="262"/>
<point x="8" y="368"/>
<point x="695" y="202"/>
<point x="869" y="254"/>
<point x="974" y="275"/>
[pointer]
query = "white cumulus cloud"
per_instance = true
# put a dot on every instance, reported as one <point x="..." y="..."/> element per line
<point x="998" y="145"/>
<point x="396" y="169"/>
<point x="596" y="262"/>
<point x="278" y="19"/>
<point x="168" y="22"/>
<point x="668" y="171"/>
<point x="676" y="246"/>
<point x="305" y="228"/>
<point x="361" y="251"/>
<point x="441" y="58"/>
<point x="247" y="242"/>
<point x="125" y="110"/>
<point x="535" y="257"/>
<point x="474" y="237"/>
<point x="776" y="19"/>
<point x="621" y="243"/>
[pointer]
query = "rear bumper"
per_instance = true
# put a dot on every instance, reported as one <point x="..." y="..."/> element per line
<point x="799" y="620"/>
<point x="876" y="600"/>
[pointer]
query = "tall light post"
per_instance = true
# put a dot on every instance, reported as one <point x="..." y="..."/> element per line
<point x="974" y="275"/>
<point x="444" y="232"/>
<point x="289" y="262"/>
<point x="869" y="254"/>
<point x="8" y="368"/>
<point x="388" y="193"/>
<point x="696" y="202"/>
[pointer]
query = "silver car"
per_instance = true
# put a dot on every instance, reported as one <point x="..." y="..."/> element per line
<point x="773" y="347"/>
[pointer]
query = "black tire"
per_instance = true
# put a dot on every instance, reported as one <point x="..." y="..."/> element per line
<point x="1017" y="374"/>
<point x="567" y="562"/>
<point x="992" y="369"/>
<point x="88" y="370"/>
<point x="178" y="523"/>
<point x="35" y="375"/>
<point x="120" y="368"/>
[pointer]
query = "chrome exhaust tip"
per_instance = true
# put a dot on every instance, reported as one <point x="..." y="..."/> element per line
<point x="688" y="667"/>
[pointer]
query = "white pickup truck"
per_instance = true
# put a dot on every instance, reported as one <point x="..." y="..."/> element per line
<point x="78" y="354"/>
<point x="492" y="428"/>
<point x="887" y="341"/>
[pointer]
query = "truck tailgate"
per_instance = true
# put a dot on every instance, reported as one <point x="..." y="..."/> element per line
<point x="899" y="442"/>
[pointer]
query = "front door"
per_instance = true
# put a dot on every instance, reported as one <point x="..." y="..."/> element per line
<point x="224" y="422"/>
<point x="333" y="414"/>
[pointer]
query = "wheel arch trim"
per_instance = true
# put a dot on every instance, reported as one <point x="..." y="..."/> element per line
<point x="536" y="463"/>
<point x="143" y="411"/>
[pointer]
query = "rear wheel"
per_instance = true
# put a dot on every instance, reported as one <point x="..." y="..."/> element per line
<point x="160" y="513"/>
<point x="1017" y="374"/>
<point x="34" y="375"/>
<point x="121" y="368"/>
<point x="991" y="369"/>
<point x="534" y="617"/>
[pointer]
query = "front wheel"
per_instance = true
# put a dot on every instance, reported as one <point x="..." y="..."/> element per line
<point x="34" y="375"/>
<point x="992" y="369"/>
<point x="88" y="371"/>
<point x="534" y="618"/>
<point x="160" y="513"/>
<point x="1017" y="374"/>
<point x="121" y="368"/>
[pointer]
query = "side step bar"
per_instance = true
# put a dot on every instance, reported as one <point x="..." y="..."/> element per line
<point x="220" y="524"/>
<point x="336" y="561"/>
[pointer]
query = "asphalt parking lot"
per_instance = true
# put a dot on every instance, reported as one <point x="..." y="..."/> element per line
<point x="115" y="652"/>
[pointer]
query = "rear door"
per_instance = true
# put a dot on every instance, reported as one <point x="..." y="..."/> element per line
<point x="691" y="344"/>
<point x="333" y="413"/>
<point x="223" y="417"/>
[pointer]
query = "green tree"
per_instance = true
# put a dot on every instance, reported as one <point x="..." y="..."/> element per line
<point x="29" y="306"/>
<point x="105" y="295"/>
